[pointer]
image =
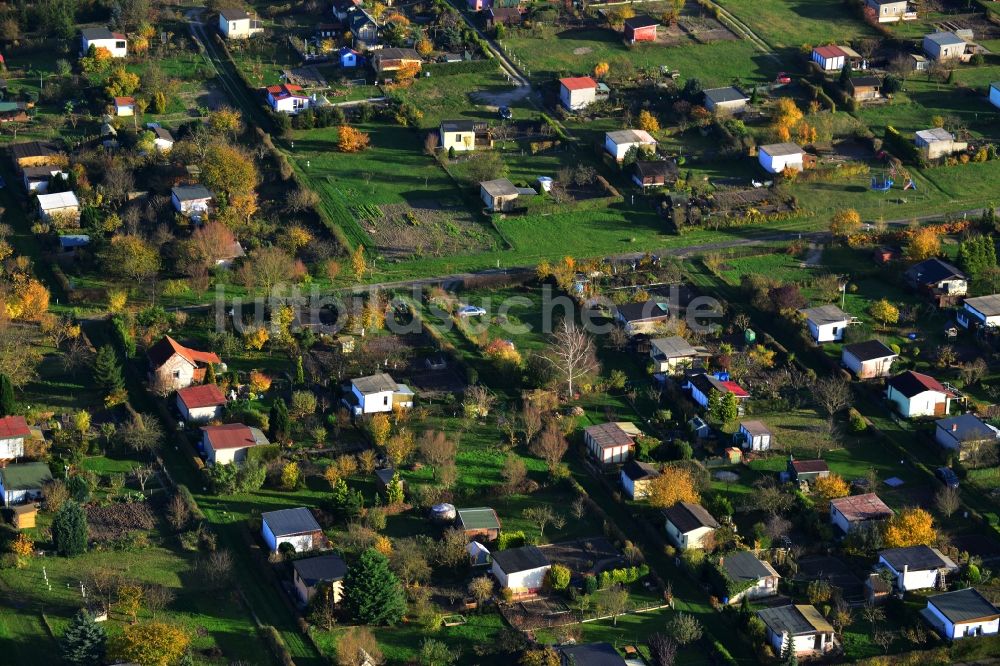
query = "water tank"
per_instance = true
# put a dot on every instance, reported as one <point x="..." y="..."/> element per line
<point x="443" y="514"/>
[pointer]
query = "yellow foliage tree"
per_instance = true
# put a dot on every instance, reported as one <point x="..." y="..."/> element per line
<point x="910" y="527"/>
<point x="846" y="222"/>
<point x="424" y="47"/>
<point x="786" y="113"/>
<point x="648" y="122"/>
<point x="601" y="69"/>
<point x="117" y="299"/>
<point x="408" y="71"/>
<point x="290" y="476"/>
<point x="259" y="382"/>
<point x="399" y="447"/>
<point x="925" y="243"/>
<point x="884" y="311"/>
<point x="380" y="427"/>
<point x="674" y="485"/>
<point x="150" y="644"/>
<point x="358" y="264"/>
<point x="254" y="339"/>
<point x="130" y="600"/>
<point x="383" y="545"/>
<point x="23" y="547"/>
<point x="28" y="300"/>
<point x="225" y="119"/>
<point x="832" y="487"/>
<point x="351" y="140"/>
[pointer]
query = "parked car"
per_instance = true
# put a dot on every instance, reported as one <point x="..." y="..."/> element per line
<point x="471" y="311"/>
<point x="947" y="476"/>
<point x="505" y="113"/>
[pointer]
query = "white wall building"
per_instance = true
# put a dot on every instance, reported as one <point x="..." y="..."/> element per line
<point x="688" y="525"/>
<point x="916" y="567"/>
<point x="293" y="526"/>
<point x="618" y="143"/>
<point x="577" y="92"/>
<point x="868" y="359"/>
<point x="229" y="443"/>
<point x="962" y="614"/>
<point x="915" y="394"/>
<point x="777" y="157"/>
<point x="520" y="569"/>
<point x="13" y="431"/>
<point x="995" y="94"/>
<point x="101" y="38"/>
<point x="826" y="322"/>
<point x="198" y="404"/>
<point x="980" y="311"/>
<point x="237" y="24"/>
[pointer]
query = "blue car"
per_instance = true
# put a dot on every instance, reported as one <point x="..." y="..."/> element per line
<point x="947" y="476"/>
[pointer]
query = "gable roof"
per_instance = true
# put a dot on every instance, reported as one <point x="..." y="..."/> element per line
<point x="506" y="14"/>
<point x="34" y="149"/>
<point x="640" y="21"/>
<point x="727" y="94"/>
<point x="945" y="39"/>
<point x="124" y="101"/>
<point x="989" y="306"/>
<point x="963" y="605"/>
<point x="14" y="426"/>
<point x="203" y="395"/>
<point x="233" y="14"/>
<point x="501" y="187"/>
<point x="968" y="428"/>
<point x="686" y="517"/>
<point x="162" y="133"/>
<point x="794" y="620"/>
<point x="917" y="558"/>
<point x="285" y="91"/>
<point x="396" y="54"/>
<point x="645" y="311"/>
<point x="578" y="83"/>
<point x="857" y="508"/>
<point x="287" y="522"/>
<point x="90" y="34"/>
<point x="707" y="383"/>
<point x="608" y="435"/>
<point x="665" y="168"/>
<point x="865" y="81"/>
<point x="743" y="566"/>
<point x="809" y="466"/>
<point x="932" y="271"/>
<point x="825" y="314"/>
<point x="782" y="149"/>
<point x="458" y="125"/>
<point x="374" y="384"/>
<point x="233" y="436"/>
<point x="167" y="347"/>
<point x="639" y="471"/>
<point x="315" y="570"/>
<point x="755" y="427"/>
<point x="57" y="200"/>
<point x="868" y="350"/>
<point x="524" y="558"/>
<point x="479" y="518"/>
<point x="620" y="137"/>
<point x="674" y="347"/>
<point x="25" y="476"/>
<point x="191" y="192"/>
<point x="829" y="51"/>
<point x="591" y="654"/>
<point x="912" y="383"/>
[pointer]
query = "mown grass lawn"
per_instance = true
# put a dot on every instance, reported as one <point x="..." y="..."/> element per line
<point x="787" y="24"/>
<point x="575" y="52"/>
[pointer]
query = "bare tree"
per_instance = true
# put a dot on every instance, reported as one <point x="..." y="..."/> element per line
<point x="613" y="602"/>
<point x="947" y="501"/>
<point x="550" y="446"/>
<point x="542" y="515"/>
<point x="832" y="394"/>
<point x="481" y="589"/>
<point x="210" y="242"/>
<point x="358" y="647"/>
<point x="480" y="398"/>
<point x="142" y="475"/>
<point x="157" y="597"/>
<point x="437" y="450"/>
<point x="531" y="420"/>
<point x="572" y="354"/>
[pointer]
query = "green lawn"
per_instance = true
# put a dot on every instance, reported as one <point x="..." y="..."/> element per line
<point x="787" y="24"/>
<point x="575" y="52"/>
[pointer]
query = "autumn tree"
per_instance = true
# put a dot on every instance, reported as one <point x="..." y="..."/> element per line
<point x="884" y="311"/>
<point x="229" y="169"/>
<point x="675" y="484"/>
<point x="924" y="244"/>
<point x="358" y="263"/>
<point x="224" y="120"/>
<point x="550" y="445"/>
<point x="150" y="644"/>
<point x="910" y="527"/>
<point x="572" y="354"/>
<point x="831" y="487"/>
<point x="131" y="257"/>
<point x="786" y="116"/>
<point x="601" y="69"/>
<point x="481" y="589"/>
<point x="845" y="222"/>
<point x="351" y="140"/>
<point x="267" y="267"/>
<point x="648" y="122"/>
<point x="357" y="647"/>
<point x="437" y="449"/>
<point x="379" y="427"/>
<point x="209" y="243"/>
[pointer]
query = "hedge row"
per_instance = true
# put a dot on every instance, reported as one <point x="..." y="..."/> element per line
<point x="464" y="67"/>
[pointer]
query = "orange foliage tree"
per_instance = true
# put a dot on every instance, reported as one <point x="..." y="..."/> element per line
<point x="910" y="527"/>
<point x="351" y="140"/>
<point x="674" y="485"/>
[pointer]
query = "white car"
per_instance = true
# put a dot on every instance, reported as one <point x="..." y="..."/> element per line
<point x="471" y="311"/>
